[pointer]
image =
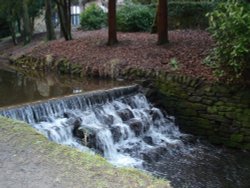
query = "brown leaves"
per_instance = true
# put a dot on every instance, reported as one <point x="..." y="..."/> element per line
<point x="135" y="50"/>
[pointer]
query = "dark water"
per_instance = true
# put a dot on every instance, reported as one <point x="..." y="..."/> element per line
<point x="16" y="88"/>
<point x="206" y="166"/>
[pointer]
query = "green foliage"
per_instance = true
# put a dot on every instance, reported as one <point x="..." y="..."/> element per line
<point x="135" y="17"/>
<point x="144" y="2"/>
<point x="35" y="7"/>
<point x="189" y="14"/>
<point x="93" y="18"/>
<point x="174" y="64"/>
<point x="230" y="27"/>
<point x="4" y="28"/>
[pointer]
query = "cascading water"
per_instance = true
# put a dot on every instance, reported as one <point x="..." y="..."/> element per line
<point x="126" y="129"/>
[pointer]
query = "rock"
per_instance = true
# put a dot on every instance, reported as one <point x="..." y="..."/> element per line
<point x="108" y="120"/>
<point x="155" y="114"/>
<point x="148" y="140"/>
<point x="154" y="155"/>
<point x="116" y="133"/>
<point x="125" y="114"/>
<point x="74" y="122"/>
<point x="136" y="126"/>
<point x="85" y="135"/>
<point x="69" y="114"/>
<point x="187" y="138"/>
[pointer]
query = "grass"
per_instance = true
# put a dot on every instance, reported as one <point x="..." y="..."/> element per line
<point x="75" y="167"/>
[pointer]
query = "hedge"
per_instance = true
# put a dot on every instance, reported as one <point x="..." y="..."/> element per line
<point x="189" y="15"/>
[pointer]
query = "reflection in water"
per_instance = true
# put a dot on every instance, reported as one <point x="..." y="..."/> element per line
<point x="16" y="88"/>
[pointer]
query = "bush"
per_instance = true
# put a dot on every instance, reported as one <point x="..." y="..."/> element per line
<point x="183" y="15"/>
<point x="4" y="32"/>
<point x="230" y="27"/>
<point x="135" y="17"/>
<point x="93" y="18"/>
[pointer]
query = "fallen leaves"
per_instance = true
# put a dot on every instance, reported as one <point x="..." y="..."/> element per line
<point x="135" y="50"/>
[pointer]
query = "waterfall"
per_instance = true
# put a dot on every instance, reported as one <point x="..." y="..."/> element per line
<point x="119" y="124"/>
<point x="37" y="111"/>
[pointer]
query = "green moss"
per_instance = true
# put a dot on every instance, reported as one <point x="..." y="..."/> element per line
<point x="237" y="138"/>
<point x="246" y="146"/>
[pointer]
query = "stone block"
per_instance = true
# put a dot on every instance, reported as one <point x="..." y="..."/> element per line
<point x="236" y="138"/>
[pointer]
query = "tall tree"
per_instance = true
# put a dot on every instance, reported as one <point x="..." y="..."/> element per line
<point x="12" y="27"/>
<point x="35" y="8"/>
<point x="162" y="22"/>
<point x="26" y="22"/>
<point x="48" y="20"/>
<point x="10" y="11"/>
<point x="64" y="13"/>
<point x="112" y="34"/>
<point x="20" y="16"/>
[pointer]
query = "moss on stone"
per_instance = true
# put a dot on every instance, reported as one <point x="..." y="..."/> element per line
<point x="207" y="106"/>
<point x="236" y="138"/>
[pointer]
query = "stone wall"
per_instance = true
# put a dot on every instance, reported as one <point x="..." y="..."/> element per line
<point x="220" y="113"/>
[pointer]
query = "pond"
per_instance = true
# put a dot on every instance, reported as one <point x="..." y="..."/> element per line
<point x="154" y="144"/>
<point x="16" y="88"/>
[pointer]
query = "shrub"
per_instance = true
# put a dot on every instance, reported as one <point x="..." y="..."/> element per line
<point x="184" y="14"/>
<point x="135" y="17"/>
<point x="230" y="27"/>
<point x="93" y="17"/>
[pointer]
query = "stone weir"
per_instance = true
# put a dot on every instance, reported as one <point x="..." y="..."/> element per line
<point x="40" y="110"/>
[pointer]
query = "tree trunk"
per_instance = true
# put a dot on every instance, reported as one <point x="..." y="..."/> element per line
<point x="13" y="31"/>
<point x="162" y="22"/>
<point x="64" y="14"/>
<point x="19" y="25"/>
<point x="48" y="20"/>
<point x="68" y="25"/>
<point x="112" y="35"/>
<point x="26" y="23"/>
<point x="32" y="25"/>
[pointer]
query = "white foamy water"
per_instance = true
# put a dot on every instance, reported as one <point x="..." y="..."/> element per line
<point x="123" y="130"/>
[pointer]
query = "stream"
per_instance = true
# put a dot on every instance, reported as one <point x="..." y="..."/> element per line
<point x="123" y="126"/>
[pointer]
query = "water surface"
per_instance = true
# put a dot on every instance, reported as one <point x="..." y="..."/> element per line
<point x="16" y="88"/>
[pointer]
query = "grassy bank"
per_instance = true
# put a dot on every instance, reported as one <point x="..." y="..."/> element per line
<point x="29" y="160"/>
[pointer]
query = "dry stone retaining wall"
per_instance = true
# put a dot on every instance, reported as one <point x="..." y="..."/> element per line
<point x="220" y="113"/>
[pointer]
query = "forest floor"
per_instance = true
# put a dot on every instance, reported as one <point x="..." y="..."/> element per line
<point x="183" y="55"/>
<point x="28" y="159"/>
